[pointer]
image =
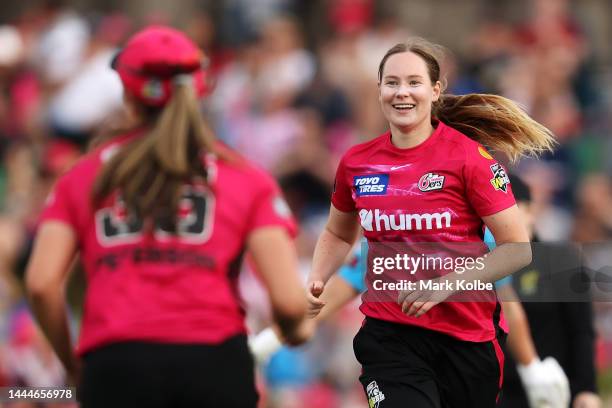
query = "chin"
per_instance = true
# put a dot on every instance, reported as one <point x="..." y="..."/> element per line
<point x="404" y="124"/>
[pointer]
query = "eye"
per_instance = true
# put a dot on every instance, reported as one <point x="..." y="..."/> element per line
<point x="391" y="82"/>
<point x="414" y="82"/>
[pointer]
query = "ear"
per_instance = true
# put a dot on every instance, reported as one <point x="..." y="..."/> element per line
<point x="437" y="90"/>
<point x="133" y="108"/>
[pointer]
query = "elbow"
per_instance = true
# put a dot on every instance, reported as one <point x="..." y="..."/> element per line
<point x="527" y="255"/>
<point x="347" y="237"/>
<point x="37" y="288"/>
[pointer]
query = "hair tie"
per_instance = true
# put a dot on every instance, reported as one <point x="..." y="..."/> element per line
<point x="183" y="79"/>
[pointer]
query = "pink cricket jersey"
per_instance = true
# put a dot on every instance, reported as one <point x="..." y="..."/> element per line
<point x="436" y="192"/>
<point x="161" y="287"/>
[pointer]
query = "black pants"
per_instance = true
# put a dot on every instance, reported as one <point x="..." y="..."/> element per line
<point x="407" y="366"/>
<point x="138" y="374"/>
<point x="513" y="396"/>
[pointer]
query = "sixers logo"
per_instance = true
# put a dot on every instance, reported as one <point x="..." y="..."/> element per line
<point x="431" y="182"/>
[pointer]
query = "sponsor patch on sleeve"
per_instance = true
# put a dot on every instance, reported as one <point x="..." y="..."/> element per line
<point x="371" y="184"/>
<point x="484" y="153"/>
<point x="500" y="180"/>
<point x="281" y="207"/>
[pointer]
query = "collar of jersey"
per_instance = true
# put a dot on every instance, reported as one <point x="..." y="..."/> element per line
<point x="418" y="148"/>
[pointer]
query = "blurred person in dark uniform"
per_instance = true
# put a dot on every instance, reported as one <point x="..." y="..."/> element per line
<point x="559" y="313"/>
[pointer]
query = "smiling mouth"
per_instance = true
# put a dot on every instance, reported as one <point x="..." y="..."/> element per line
<point x="403" y="107"/>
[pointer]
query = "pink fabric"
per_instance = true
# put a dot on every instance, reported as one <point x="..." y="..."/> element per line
<point x="436" y="193"/>
<point x="153" y="286"/>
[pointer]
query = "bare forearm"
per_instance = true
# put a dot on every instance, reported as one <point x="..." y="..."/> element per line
<point x="520" y="342"/>
<point x="329" y="254"/>
<point x="504" y="260"/>
<point x="49" y="309"/>
<point x="337" y="294"/>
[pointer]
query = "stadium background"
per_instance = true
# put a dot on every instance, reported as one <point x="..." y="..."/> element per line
<point x="295" y="86"/>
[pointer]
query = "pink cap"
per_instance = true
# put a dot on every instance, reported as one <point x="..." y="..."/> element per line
<point x="153" y="58"/>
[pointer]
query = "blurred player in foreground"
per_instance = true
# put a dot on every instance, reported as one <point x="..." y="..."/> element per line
<point x="161" y="216"/>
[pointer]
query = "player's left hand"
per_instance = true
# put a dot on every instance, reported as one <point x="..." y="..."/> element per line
<point x="419" y="301"/>
<point x="587" y="399"/>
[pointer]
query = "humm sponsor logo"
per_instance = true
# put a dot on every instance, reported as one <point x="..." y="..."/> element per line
<point x="376" y="220"/>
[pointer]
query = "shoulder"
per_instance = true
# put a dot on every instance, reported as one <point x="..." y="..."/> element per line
<point x="230" y="160"/>
<point x="239" y="171"/>
<point x="89" y="164"/>
<point x="85" y="166"/>
<point x="362" y="150"/>
<point x="469" y="148"/>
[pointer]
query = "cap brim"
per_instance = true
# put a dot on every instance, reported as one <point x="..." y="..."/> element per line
<point x="115" y="61"/>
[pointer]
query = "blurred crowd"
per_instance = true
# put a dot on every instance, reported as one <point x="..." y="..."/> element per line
<point x="292" y="100"/>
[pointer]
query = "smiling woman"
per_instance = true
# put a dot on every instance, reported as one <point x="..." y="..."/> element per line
<point x="430" y="179"/>
<point x="406" y="96"/>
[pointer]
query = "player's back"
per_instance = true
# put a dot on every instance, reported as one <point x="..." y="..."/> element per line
<point x="148" y="283"/>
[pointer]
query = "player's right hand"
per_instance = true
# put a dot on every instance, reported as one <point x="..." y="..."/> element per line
<point x="545" y="384"/>
<point x="300" y="333"/>
<point x="315" y="289"/>
<point x="264" y="344"/>
<point x="267" y="342"/>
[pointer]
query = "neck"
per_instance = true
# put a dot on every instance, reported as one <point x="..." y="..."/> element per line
<point x="407" y="138"/>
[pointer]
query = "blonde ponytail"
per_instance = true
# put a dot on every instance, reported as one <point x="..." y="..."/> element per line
<point x="151" y="170"/>
<point x="496" y="122"/>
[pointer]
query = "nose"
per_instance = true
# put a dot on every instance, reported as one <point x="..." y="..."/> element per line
<point x="402" y="90"/>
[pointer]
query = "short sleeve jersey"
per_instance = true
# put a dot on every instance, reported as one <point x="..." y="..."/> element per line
<point x="436" y="192"/>
<point x="154" y="285"/>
